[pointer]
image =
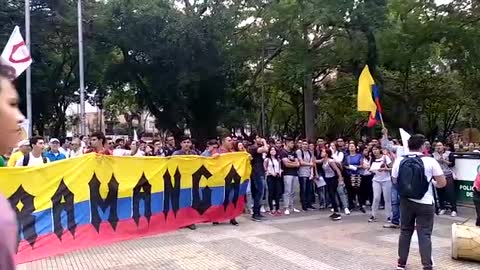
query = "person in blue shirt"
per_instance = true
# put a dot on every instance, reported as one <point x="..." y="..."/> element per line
<point x="54" y="154"/>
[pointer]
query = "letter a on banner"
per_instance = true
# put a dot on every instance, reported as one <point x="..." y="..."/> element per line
<point x="16" y="54"/>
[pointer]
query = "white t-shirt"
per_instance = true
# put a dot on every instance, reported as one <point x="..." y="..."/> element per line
<point x="382" y="176"/>
<point x="33" y="161"/>
<point x="432" y="168"/>
<point x="121" y="152"/>
<point x="338" y="157"/>
<point x="273" y="166"/>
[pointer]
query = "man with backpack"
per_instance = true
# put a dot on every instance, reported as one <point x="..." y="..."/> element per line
<point x="35" y="157"/>
<point x="416" y="176"/>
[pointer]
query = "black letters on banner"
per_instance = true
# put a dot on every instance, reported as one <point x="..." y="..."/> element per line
<point x="201" y="205"/>
<point x="232" y="183"/>
<point x="63" y="200"/>
<point x="25" y="217"/>
<point x="142" y="191"/>
<point x="96" y="201"/>
<point x="171" y="194"/>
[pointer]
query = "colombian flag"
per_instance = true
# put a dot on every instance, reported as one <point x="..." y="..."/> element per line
<point x="369" y="97"/>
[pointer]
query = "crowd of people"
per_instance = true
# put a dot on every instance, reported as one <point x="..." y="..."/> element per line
<point x="339" y="175"/>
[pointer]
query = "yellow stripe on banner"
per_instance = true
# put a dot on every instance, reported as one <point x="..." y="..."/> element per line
<point x="43" y="181"/>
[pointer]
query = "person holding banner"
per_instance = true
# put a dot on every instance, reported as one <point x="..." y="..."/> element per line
<point x="97" y="141"/>
<point x="186" y="145"/>
<point x="10" y="118"/>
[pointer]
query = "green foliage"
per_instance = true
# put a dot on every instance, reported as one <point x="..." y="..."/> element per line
<point x="203" y="65"/>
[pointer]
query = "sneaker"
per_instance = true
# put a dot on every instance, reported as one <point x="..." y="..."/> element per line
<point x="372" y="219"/>
<point x="278" y="213"/>
<point x="335" y="217"/>
<point x="453" y="214"/>
<point x="262" y="209"/>
<point x="347" y="211"/>
<point x="304" y="209"/>
<point x="391" y="226"/>
<point x="287" y="212"/>
<point x="401" y="267"/>
<point x="295" y="210"/>
<point x="312" y="207"/>
<point x="362" y="210"/>
<point x="442" y="212"/>
<point x="272" y="213"/>
<point x="332" y="210"/>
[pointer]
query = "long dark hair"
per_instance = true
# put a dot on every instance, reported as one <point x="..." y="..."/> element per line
<point x="270" y="155"/>
<point x="328" y="152"/>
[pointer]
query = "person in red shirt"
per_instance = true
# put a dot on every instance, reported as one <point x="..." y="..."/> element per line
<point x="227" y="145"/>
<point x="97" y="142"/>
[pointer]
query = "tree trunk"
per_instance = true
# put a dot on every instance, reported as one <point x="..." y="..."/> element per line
<point x="309" y="107"/>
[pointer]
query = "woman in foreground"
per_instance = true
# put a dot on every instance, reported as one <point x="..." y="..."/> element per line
<point x="10" y="118"/>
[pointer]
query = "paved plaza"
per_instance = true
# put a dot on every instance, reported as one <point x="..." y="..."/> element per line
<point x="301" y="241"/>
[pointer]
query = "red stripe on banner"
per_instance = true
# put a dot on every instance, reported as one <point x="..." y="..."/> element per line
<point x="87" y="236"/>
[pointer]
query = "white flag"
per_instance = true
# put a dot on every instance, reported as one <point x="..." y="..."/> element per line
<point x="25" y="129"/>
<point x="135" y="136"/>
<point x="16" y="53"/>
<point x="405" y="136"/>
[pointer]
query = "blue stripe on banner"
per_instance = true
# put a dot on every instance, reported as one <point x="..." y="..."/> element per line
<point x="44" y="222"/>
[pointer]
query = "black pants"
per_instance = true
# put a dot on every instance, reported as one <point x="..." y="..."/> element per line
<point x="305" y="191"/>
<point x="447" y="194"/>
<point x="332" y="184"/>
<point x="366" y="190"/>
<point x="422" y="215"/>
<point x="476" y="201"/>
<point x="351" y="192"/>
<point x="275" y="191"/>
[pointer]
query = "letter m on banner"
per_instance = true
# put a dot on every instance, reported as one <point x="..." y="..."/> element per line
<point x="16" y="54"/>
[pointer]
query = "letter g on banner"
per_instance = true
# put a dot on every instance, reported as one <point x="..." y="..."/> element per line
<point x="201" y="204"/>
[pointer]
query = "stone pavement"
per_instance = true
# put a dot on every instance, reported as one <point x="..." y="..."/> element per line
<point x="299" y="241"/>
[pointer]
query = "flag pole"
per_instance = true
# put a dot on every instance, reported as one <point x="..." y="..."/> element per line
<point x="81" y="68"/>
<point x="28" y="86"/>
<point x="381" y="119"/>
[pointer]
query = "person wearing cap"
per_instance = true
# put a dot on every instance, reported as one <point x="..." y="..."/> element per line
<point x="23" y="148"/>
<point x="54" y="153"/>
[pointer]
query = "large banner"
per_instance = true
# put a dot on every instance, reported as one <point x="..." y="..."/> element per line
<point x="94" y="199"/>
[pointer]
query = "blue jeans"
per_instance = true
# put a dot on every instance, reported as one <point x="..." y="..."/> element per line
<point x="343" y="195"/>
<point x="257" y="192"/>
<point x="395" y="205"/>
<point x="322" y="199"/>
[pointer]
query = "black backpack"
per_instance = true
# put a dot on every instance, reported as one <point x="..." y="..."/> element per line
<point x="412" y="182"/>
<point x="26" y="159"/>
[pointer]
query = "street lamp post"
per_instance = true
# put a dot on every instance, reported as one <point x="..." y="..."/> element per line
<point x="28" y="85"/>
<point x="81" y="68"/>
